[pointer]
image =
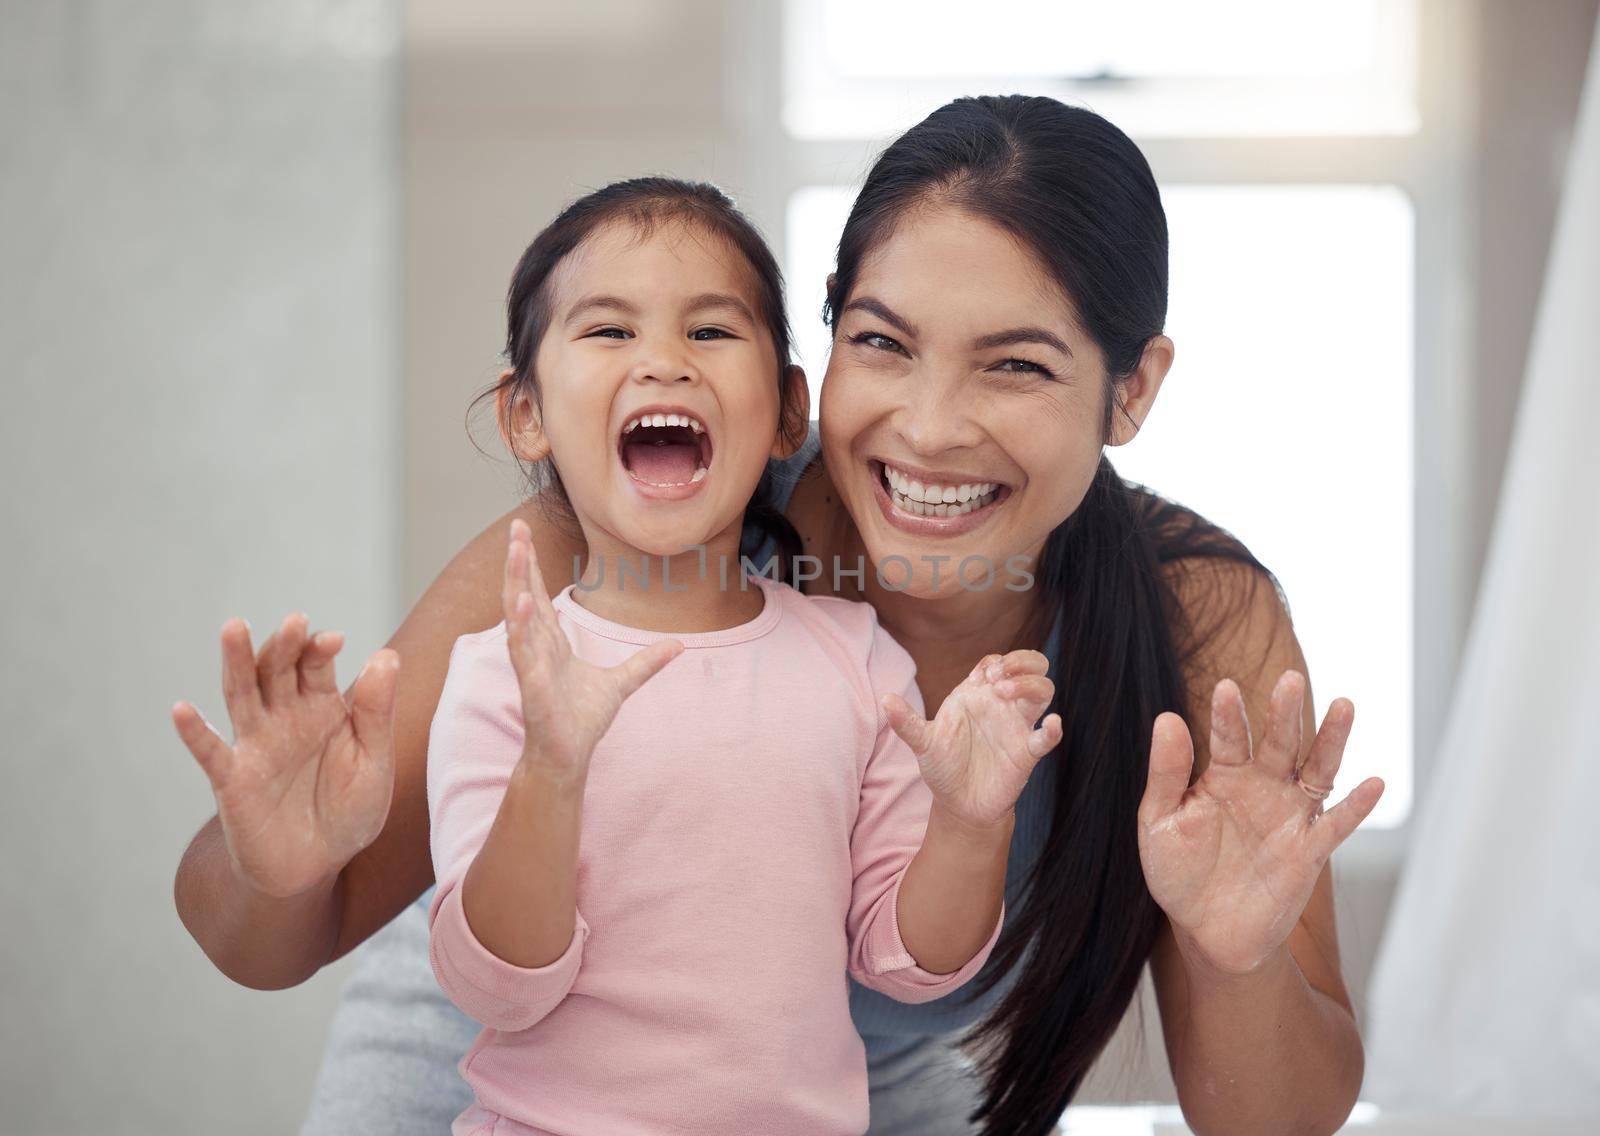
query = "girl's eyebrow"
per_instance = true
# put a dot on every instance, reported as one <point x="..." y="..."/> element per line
<point x="719" y="301"/>
<point x="600" y="304"/>
<point x="874" y="306"/>
<point x="1022" y="335"/>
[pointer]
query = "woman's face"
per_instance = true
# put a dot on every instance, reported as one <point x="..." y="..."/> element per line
<point x="959" y="372"/>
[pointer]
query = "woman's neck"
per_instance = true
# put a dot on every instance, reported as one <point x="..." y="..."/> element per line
<point x="683" y="593"/>
<point x="949" y="634"/>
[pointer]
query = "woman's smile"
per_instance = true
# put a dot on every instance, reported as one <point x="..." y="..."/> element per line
<point x="934" y="504"/>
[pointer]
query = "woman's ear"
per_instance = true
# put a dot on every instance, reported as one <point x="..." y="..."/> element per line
<point x="794" y="413"/>
<point x="1136" y="394"/>
<point x="521" y="427"/>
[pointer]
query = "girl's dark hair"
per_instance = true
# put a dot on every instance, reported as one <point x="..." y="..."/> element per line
<point x="1077" y="192"/>
<point x="643" y="203"/>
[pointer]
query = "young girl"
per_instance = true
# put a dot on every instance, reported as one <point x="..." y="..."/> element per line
<point x="652" y="899"/>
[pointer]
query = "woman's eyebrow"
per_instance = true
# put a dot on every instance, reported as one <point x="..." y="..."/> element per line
<point x="1022" y="335"/>
<point x="720" y="301"/>
<point x="600" y="304"/>
<point x="876" y="307"/>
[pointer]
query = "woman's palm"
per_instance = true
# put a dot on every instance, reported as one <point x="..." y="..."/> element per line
<point x="307" y="782"/>
<point x="1233" y="858"/>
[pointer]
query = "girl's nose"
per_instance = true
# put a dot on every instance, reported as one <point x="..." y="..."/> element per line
<point x="657" y="363"/>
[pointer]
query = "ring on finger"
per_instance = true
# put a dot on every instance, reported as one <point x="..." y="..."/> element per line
<point x="1316" y="792"/>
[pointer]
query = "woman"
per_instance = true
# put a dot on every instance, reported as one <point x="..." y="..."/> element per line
<point x="997" y="313"/>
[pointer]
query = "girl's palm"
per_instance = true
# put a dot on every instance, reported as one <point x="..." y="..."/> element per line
<point x="1232" y="859"/>
<point x="981" y="746"/>
<point x="307" y="781"/>
<point x="567" y="704"/>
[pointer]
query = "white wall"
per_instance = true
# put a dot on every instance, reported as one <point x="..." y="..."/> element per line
<point x="198" y="320"/>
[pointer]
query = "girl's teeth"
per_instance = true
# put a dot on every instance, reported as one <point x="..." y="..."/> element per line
<point x="698" y="474"/>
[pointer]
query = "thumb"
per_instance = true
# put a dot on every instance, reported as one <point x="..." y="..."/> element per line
<point x="643" y="665"/>
<point x="907" y="723"/>
<point x="372" y="704"/>
<point x="1171" y="759"/>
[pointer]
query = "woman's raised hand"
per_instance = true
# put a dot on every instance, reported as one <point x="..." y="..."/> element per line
<point x="977" y="752"/>
<point x="567" y="703"/>
<point x="1232" y="859"/>
<point x="307" y="781"/>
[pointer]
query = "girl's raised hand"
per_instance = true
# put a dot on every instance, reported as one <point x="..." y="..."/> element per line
<point x="307" y="781"/>
<point x="977" y="752"/>
<point x="1233" y="858"/>
<point x="567" y="704"/>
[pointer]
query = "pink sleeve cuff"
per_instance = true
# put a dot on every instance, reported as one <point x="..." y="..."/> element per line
<point x="499" y="994"/>
<point x="892" y="971"/>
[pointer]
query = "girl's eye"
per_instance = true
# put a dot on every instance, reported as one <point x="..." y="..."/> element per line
<point x="877" y="341"/>
<point x="1023" y="367"/>
<point x="709" y="333"/>
<point x="610" y="333"/>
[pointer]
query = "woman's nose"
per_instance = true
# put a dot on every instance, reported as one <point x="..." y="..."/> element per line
<point x="936" y="417"/>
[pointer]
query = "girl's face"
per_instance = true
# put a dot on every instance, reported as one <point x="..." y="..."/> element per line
<point x="658" y="400"/>
<point x="959" y="372"/>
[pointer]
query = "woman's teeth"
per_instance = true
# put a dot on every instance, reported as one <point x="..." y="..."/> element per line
<point x="930" y="500"/>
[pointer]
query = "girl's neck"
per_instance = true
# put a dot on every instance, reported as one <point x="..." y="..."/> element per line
<point x="683" y="593"/>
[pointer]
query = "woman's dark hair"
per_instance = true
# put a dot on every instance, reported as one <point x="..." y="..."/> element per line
<point x="1076" y="192"/>
<point x="643" y="203"/>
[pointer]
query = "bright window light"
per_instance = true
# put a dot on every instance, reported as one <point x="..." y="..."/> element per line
<point x="1287" y="419"/>
<point x="869" y="68"/>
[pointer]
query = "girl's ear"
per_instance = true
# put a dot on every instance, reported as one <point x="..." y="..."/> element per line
<point x="1136" y="394"/>
<point x="794" y="413"/>
<point x="521" y="427"/>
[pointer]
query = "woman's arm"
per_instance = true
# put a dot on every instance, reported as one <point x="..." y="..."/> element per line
<point x="1274" y="1050"/>
<point x="269" y="942"/>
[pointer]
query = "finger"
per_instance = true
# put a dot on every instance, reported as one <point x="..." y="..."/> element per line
<point x="911" y="727"/>
<point x="1171" y="761"/>
<point x="371" y="704"/>
<point x="239" y="687"/>
<point x="1327" y="748"/>
<point x="1046" y="737"/>
<point x="1030" y="693"/>
<point x="214" y="756"/>
<point x="1230" y="728"/>
<point x="640" y="667"/>
<point x="982" y="670"/>
<point x="1280" y="747"/>
<point x="534" y="583"/>
<point x="316" y="663"/>
<point x="275" y="669"/>
<point x="1330" y="829"/>
<point x="1022" y="662"/>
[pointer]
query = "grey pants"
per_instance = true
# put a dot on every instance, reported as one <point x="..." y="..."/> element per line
<point x="390" y="1064"/>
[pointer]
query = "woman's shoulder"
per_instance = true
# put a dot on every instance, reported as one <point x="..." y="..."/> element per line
<point x="1229" y="615"/>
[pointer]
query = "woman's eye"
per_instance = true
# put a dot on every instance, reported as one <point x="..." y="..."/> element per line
<point x="1023" y="367"/>
<point x="877" y="341"/>
<point x="706" y="333"/>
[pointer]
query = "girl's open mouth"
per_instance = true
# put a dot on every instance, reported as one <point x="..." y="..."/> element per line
<point x="665" y="449"/>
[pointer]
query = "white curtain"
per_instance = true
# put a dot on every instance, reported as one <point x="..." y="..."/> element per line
<point x="1486" y="996"/>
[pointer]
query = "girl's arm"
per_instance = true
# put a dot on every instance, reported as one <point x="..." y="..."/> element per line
<point x="922" y="924"/>
<point x="511" y="748"/>
<point x="1264" y="1042"/>
<point x="273" y="942"/>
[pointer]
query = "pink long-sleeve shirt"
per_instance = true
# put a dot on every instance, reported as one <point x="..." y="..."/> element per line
<point x="747" y="821"/>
